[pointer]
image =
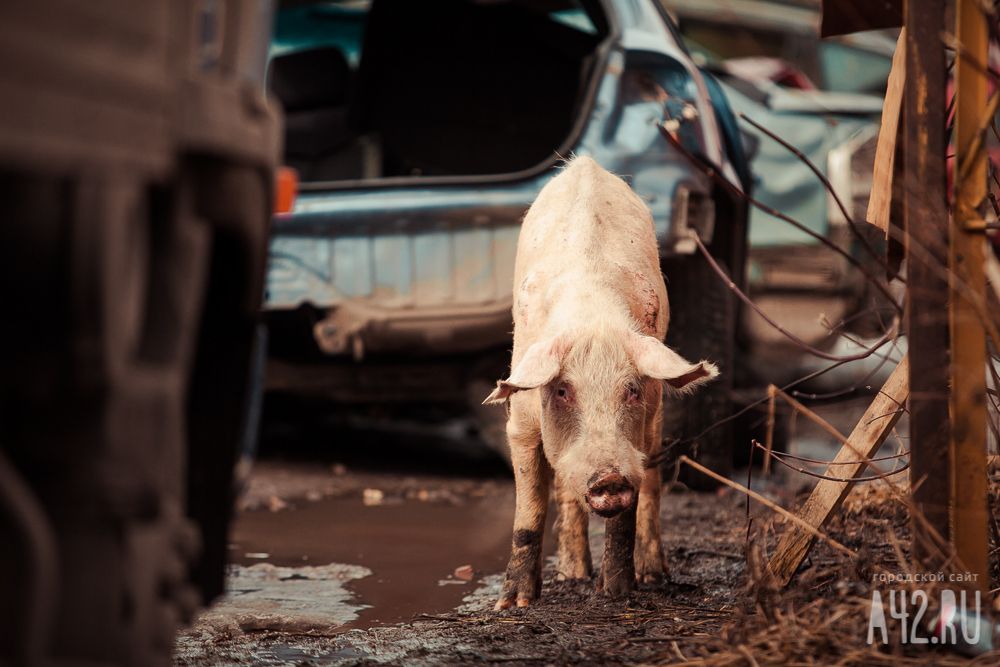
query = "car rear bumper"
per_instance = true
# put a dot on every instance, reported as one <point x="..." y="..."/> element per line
<point x="357" y="328"/>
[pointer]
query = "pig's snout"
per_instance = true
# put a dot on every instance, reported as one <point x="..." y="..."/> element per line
<point x="610" y="494"/>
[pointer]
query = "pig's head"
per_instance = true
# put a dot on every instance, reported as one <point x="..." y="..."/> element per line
<point x="596" y="390"/>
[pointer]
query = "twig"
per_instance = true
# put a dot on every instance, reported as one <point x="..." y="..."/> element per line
<point x="746" y="654"/>
<point x="667" y="638"/>
<point x="851" y="480"/>
<point x="710" y="171"/>
<point x="863" y="382"/>
<point x="921" y="252"/>
<point x="806" y="459"/>
<point x="662" y="455"/>
<point x="951" y="43"/>
<point x="772" y="393"/>
<point x="513" y="658"/>
<point x="677" y="651"/>
<point x="713" y="552"/>
<point x="851" y="223"/>
<point x="432" y="617"/>
<point x="770" y="504"/>
<point x="812" y="416"/>
<point x="780" y="329"/>
<point x="973" y="151"/>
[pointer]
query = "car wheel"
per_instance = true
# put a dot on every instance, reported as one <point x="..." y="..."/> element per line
<point x="752" y="425"/>
<point x="490" y="420"/>
<point x="702" y="326"/>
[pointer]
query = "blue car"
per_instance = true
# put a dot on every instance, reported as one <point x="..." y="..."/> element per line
<point x="422" y="131"/>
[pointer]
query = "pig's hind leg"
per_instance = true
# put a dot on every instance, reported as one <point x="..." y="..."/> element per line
<point x="650" y="566"/>
<point x="532" y="476"/>
<point x="572" y="522"/>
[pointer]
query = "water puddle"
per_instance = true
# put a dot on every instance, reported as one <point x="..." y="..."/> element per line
<point x="308" y="599"/>
<point x="411" y="548"/>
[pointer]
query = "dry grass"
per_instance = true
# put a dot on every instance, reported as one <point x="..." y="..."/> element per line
<point x="823" y="616"/>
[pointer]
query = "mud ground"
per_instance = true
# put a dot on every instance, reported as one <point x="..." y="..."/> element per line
<point x="347" y="555"/>
<point x="569" y="624"/>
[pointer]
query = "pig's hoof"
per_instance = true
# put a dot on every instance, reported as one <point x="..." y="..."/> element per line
<point x="519" y="591"/>
<point x="572" y="569"/>
<point x="651" y="578"/>
<point x="652" y="572"/>
<point x="616" y="584"/>
<point x="523" y="581"/>
<point x="507" y="603"/>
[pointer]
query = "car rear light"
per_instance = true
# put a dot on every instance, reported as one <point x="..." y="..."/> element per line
<point x="286" y="187"/>
<point x="692" y="214"/>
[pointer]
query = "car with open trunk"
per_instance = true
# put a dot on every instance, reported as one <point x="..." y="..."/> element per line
<point x="421" y="132"/>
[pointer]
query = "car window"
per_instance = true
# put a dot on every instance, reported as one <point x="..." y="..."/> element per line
<point x="841" y="64"/>
<point x="339" y="24"/>
<point x="575" y="18"/>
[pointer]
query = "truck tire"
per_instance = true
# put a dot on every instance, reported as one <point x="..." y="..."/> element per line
<point x="702" y="326"/>
<point x="111" y="273"/>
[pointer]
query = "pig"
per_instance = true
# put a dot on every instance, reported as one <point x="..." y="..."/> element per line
<point x="585" y="391"/>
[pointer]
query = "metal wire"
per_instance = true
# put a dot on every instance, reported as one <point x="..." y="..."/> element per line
<point x="831" y="478"/>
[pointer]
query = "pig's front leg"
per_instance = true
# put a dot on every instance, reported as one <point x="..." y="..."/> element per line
<point x="523" y="581"/>
<point x="618" y="568"/>
<point x="573" y="553"/>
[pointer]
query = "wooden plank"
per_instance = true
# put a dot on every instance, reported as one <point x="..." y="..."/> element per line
<point x="969" y="519"/>
<point x="992" y="268"/>
<point x="867" y="436"/>
<point x="926" y="232"/>
<point x="880" y="200"/>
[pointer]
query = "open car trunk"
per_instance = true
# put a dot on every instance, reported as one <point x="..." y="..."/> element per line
<point x="433" y="88"/>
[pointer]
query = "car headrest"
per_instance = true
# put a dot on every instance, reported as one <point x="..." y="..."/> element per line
<point x="311" y="79"/>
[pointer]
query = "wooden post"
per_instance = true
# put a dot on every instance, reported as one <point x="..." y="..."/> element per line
<point x="968" y="339"/>
<point x="880" y="199"/>
<point x="926" y="225"/>
<point x="864" y="441"/>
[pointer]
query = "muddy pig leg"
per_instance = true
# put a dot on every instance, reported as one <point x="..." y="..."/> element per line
<point x="650" y="566"/>
<point x="573" y="553"/>
<point x="617" y="576"/>
<point x="523" y="580"/>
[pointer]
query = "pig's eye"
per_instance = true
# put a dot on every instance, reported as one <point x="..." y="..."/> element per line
<point x="632" y="393"/>
<point x="564" y="393"/>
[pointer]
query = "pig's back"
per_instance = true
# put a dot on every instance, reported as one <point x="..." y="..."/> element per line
<point x="586" y="236"/>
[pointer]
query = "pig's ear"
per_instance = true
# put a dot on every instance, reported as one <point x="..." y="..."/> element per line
<point x="654" y="359"/>
<point x="539" y="365"/>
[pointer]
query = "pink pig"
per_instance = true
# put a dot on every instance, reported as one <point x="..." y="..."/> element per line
<point x="586" y="385"/>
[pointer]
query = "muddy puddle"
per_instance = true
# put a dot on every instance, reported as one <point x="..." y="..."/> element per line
<point x="411" y="548"/>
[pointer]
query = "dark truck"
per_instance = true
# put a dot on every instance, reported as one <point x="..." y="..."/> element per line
<point x="136" y="157"/>
<point x="422" y="131"/>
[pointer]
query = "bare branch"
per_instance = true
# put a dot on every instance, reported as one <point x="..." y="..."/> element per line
<point x="710" y="171"/>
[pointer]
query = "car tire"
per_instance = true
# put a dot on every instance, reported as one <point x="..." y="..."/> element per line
<point x="752" y="425"/>
<point x="702" y="326"/>
<point x="490" y="420"/>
